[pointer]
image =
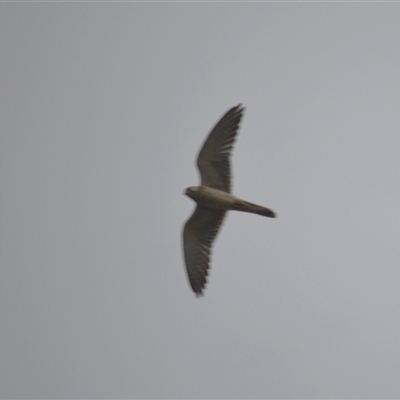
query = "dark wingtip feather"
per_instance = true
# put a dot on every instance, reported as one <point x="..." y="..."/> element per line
<point x="269" y="213"/>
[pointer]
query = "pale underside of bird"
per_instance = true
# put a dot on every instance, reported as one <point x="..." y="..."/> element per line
<point x="213" y="198"/>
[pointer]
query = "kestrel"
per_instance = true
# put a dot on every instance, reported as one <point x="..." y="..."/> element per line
<point x="213" y="198"/>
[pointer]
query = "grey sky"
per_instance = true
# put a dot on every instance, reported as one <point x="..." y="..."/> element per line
<point x="103" y="109"/>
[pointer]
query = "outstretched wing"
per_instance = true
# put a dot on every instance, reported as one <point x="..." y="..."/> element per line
<point x="198" y="235"/>
<point x="213" y="160"/>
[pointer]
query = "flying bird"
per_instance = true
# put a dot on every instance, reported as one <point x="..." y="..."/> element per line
<point x="213" y="198"/>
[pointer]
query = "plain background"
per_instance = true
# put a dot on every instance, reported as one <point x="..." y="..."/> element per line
<point x="103" y="109"/>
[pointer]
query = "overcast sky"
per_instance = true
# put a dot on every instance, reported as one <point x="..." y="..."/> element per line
<point x="103" y="110"/>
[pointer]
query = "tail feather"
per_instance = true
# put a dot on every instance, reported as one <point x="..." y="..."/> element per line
<point x="256" y="209"/>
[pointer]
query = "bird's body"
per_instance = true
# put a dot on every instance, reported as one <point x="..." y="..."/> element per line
<point x="213" y="198"/>
<point x="209" y="197"/>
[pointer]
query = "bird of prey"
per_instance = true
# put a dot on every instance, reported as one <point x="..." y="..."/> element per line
<point x="213" y="198"/>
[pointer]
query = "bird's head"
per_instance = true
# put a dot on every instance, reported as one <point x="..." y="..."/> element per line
<point x="191" y="191"/>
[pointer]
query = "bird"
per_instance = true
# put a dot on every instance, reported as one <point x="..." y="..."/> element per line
<point x="213" y="198"/>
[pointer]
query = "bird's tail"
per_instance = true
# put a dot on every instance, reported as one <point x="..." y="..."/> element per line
<point x="254" y="209"/>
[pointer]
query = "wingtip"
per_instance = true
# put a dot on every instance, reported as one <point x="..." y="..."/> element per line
<point x="239" y="107"/>
<point x="236" y="112"/>
<point x="198" y="288"/>
<point x="198" y="291"/>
